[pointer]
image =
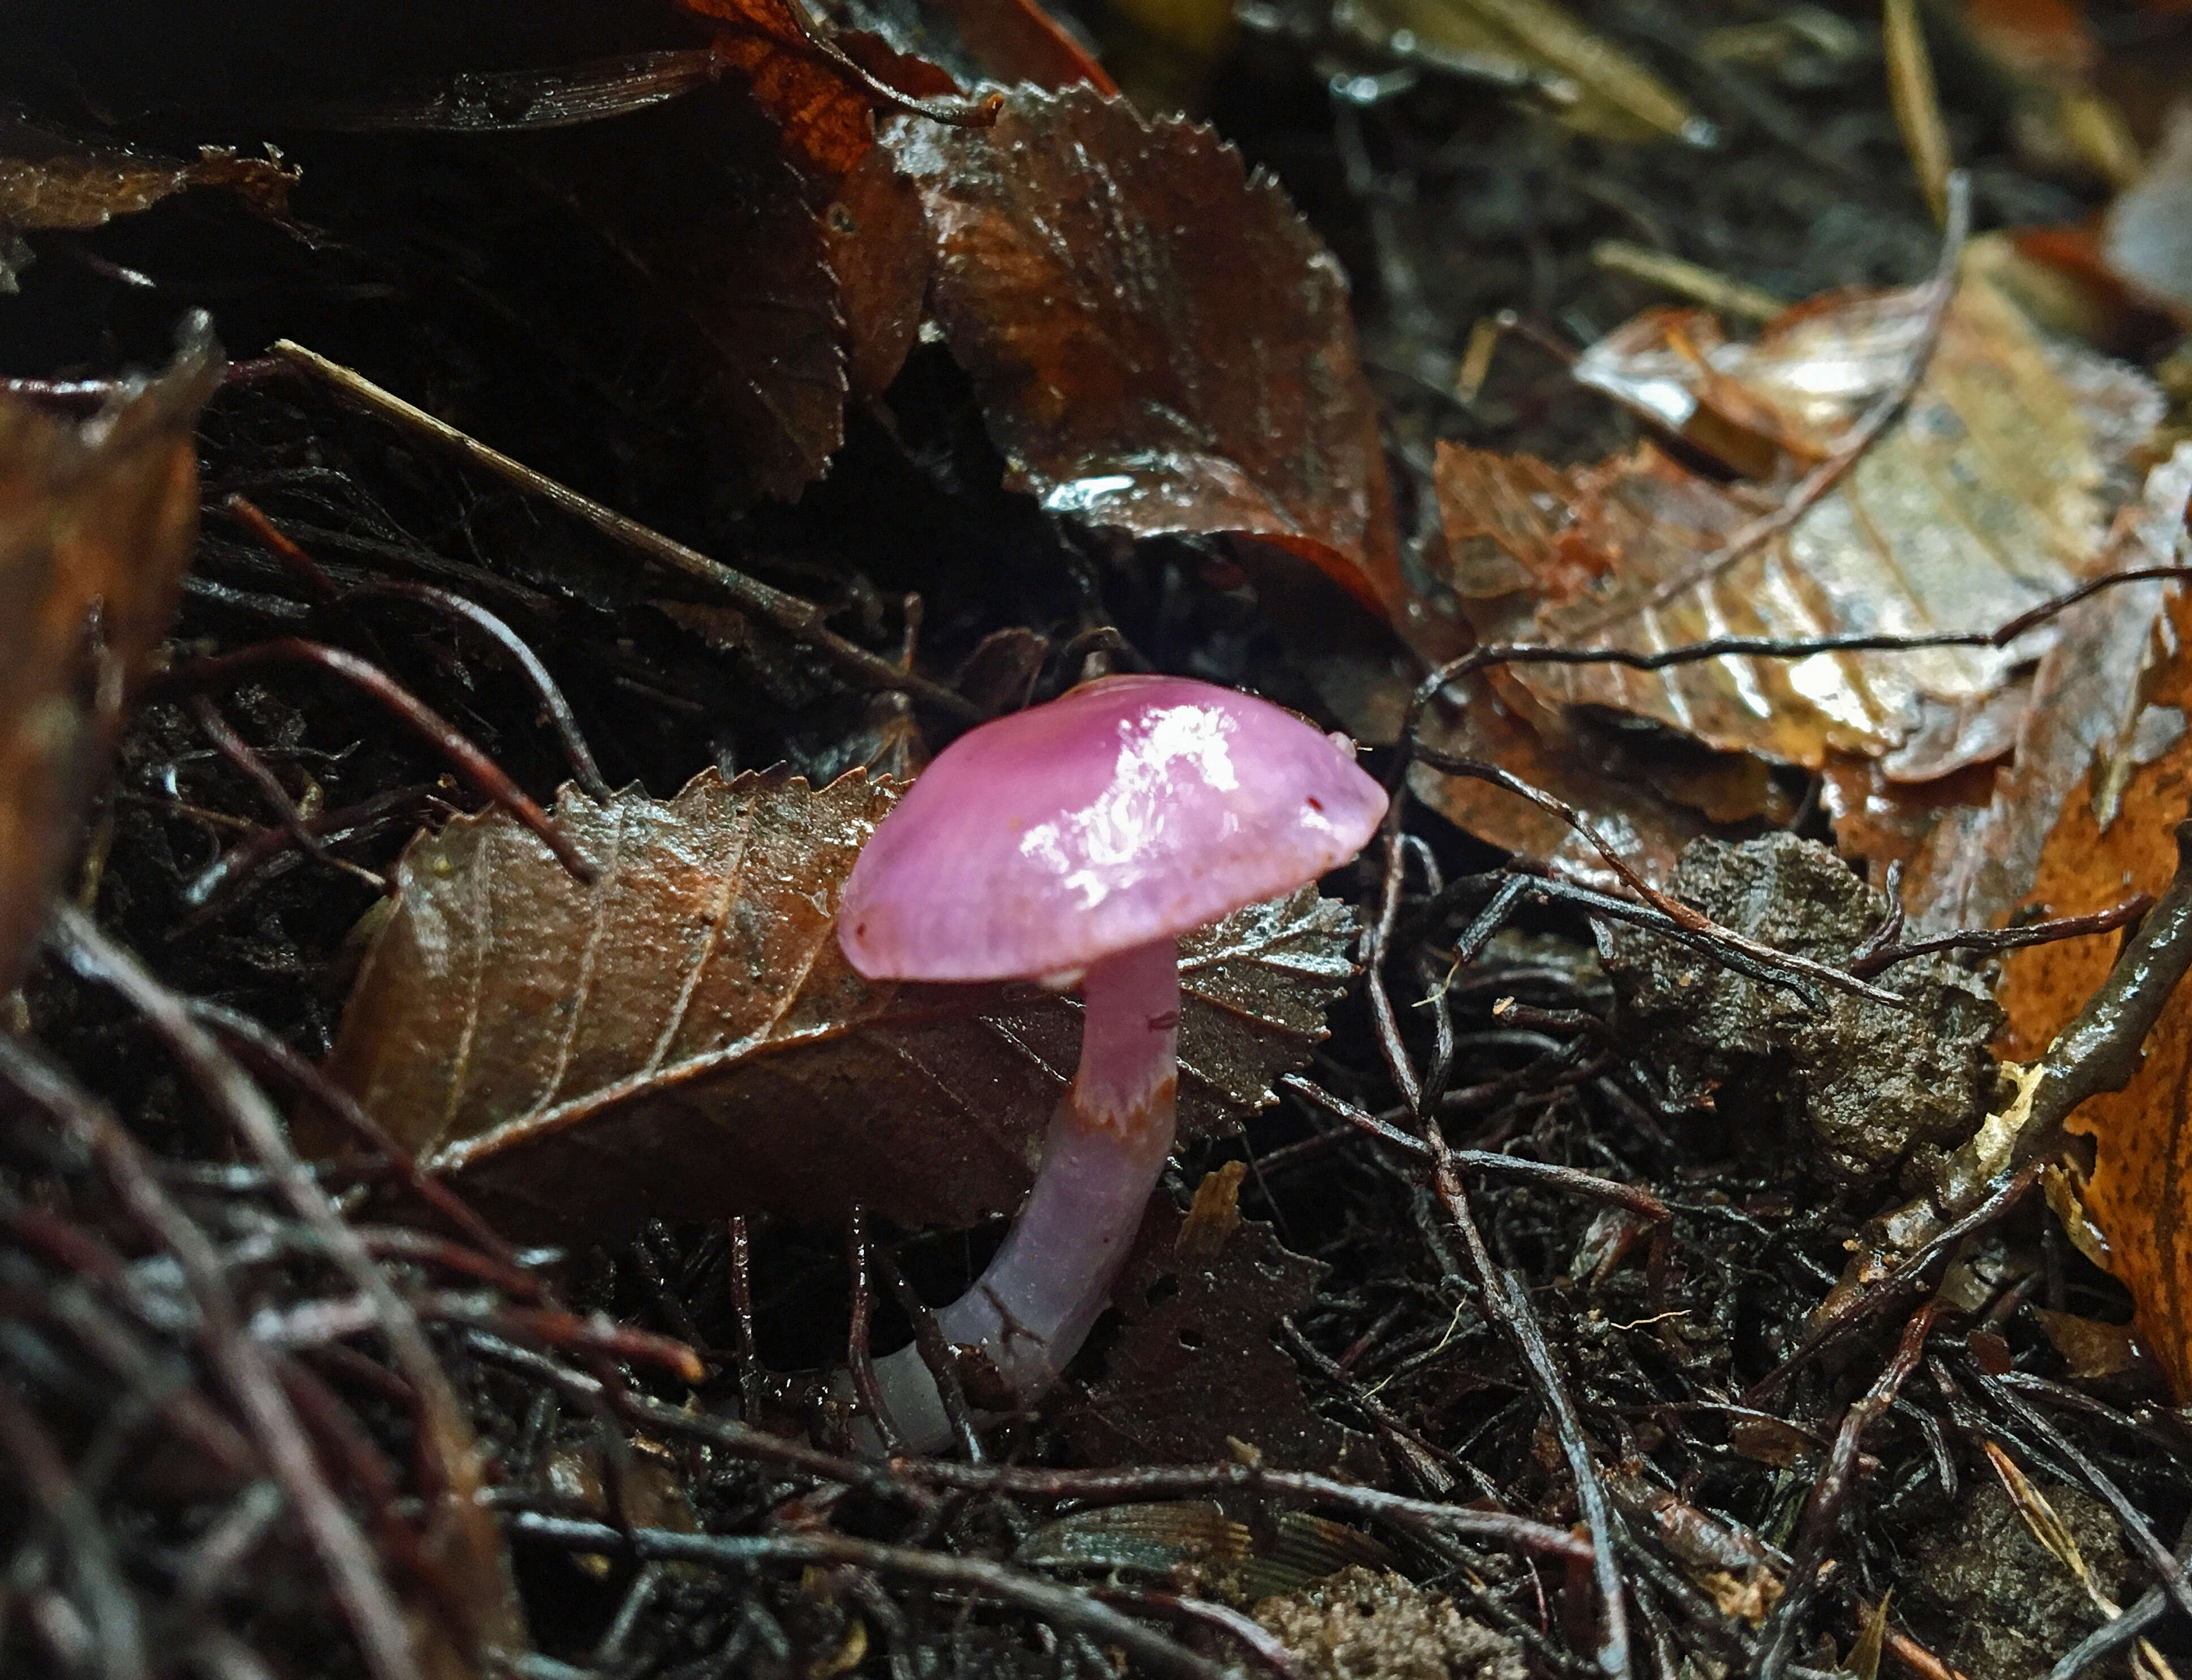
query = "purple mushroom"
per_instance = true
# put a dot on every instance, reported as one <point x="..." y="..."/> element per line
<point x="1072" y="844"/>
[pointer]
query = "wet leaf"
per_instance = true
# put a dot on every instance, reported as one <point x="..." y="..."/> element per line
<point x="97" y="524"/>
<point x="732" y="315"/>
<point x="1159" y="342"/>
<point x="2095" y="722"/>
<point x="1194" y="1361"/>
<point x="875" y="239"/>
<point x="51" y="180"/>
<point x="1990" y="494"/>
<point x="685" y="1039"/>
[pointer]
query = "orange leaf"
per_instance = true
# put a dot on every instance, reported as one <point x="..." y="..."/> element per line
<point x="2140" y="1188"/>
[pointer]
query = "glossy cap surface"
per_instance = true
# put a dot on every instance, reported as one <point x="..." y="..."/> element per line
<point x="1133" y="808"/>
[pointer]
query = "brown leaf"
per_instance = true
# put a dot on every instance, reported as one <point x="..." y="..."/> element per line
<point x="2141" y="1187"/>
<point x="1159" y="342"/>
<point x="1991" y="493"/>
<point x="875" y="239"/>
<point x="1016" y="41"/>
<point x="1195" y="1362"/>
<point x="53" y="180"/>
<point x="685" y="1038"/>
<point x="2092" y="719"/>
<point x="686" y="211"/>
<point x="97" y="523"/>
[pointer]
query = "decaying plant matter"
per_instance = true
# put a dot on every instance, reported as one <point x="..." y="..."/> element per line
<point x="1699" y="1195"/>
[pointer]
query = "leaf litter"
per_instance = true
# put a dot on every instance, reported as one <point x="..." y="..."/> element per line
<point x="686" y="1039"/>
<point x="1518" y="1407"/>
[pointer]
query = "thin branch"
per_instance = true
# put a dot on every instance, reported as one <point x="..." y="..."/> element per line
<point x="977" y="1577"/>
<point x="800" y="619"/>
<point x="485" y="775"/>
<point x="246" y="1370"/>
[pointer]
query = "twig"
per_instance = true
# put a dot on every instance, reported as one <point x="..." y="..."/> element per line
<point x="2172" y="1575"/>
<point x="1933" y="299"/>
<point x="1507" y="1301"/>
<point x="217" y="886"/>
<point x="1830" y="1492"/>
<point x="246" y="1370"/>
<point x="936" y="1354"/>
<point x="445" y="1444"/>
<point x="1991" y="940"/>
<point x="476" y="767"/>
<point x="1832" y="1325"/>
<point x="1491" y="1164"/>
<point x="258" y="1044"/>
<point x="1253" y="1636"/>
<point x="238" y="751"/>
<point x="978" y="1577"/>
<point x="858" y="1358"/>
<point x="576" y="752"/>
<point x="103" y="1592"/>
<point x="800" y="619"/>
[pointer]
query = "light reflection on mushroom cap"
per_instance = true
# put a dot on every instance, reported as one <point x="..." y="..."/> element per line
<point x="1133" y="808"/>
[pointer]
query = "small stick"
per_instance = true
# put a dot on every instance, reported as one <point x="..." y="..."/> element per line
<point x="476" y="767"/>
<point x="238" y="751"/>
<point x="935" y="1354"/>
<point x="978" y="1577"/>
<point x="581" y="757"/>
<point x="246" y="1370"/>
<point x="858" y="1358"/>
<point x="1831" y="1491"/>
<point x="1488" y="1162"/>
<point x="799" y="618"/>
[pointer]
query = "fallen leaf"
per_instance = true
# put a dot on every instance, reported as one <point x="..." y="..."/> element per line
<point x="685" y="1039"/>
<point x="50" y="180"/>
<point x="728" y="313"/>
<point x="875" y="238"/>
<point x="2093" y="704"/>
<point x="1159" y="342"/>
<point x="98" y="520"/>
<point x="1990" y="494"/>
<point x="1016" y="41"/>
<point x="2140" y="1190"/>
<point x="1193" y="1362"/>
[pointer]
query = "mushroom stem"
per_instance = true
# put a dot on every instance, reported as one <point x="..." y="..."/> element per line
<point x="1032" y="1308"/>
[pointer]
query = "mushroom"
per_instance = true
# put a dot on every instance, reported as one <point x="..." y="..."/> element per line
<point x="1072" y="844"/>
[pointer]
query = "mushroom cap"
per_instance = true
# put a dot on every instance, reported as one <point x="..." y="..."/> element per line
<point x="1133" y="808"/>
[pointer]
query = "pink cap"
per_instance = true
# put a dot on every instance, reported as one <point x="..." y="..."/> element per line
<point x="1133" y="808"/>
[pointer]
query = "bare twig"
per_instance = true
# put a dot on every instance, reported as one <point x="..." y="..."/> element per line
<point x="246" y="1370"/>
<point x="475" y="765"/>
<point x="1829" y="1492"/>
<point x="800" y="619"/>
<point x="977" y="1577"/>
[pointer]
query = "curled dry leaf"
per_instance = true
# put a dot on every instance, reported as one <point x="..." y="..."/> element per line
<point x="97" y="523"/>
<point x="1991" y="493"/>
<point x="1159" y="342"/>
<point x="685" y="1038"/>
